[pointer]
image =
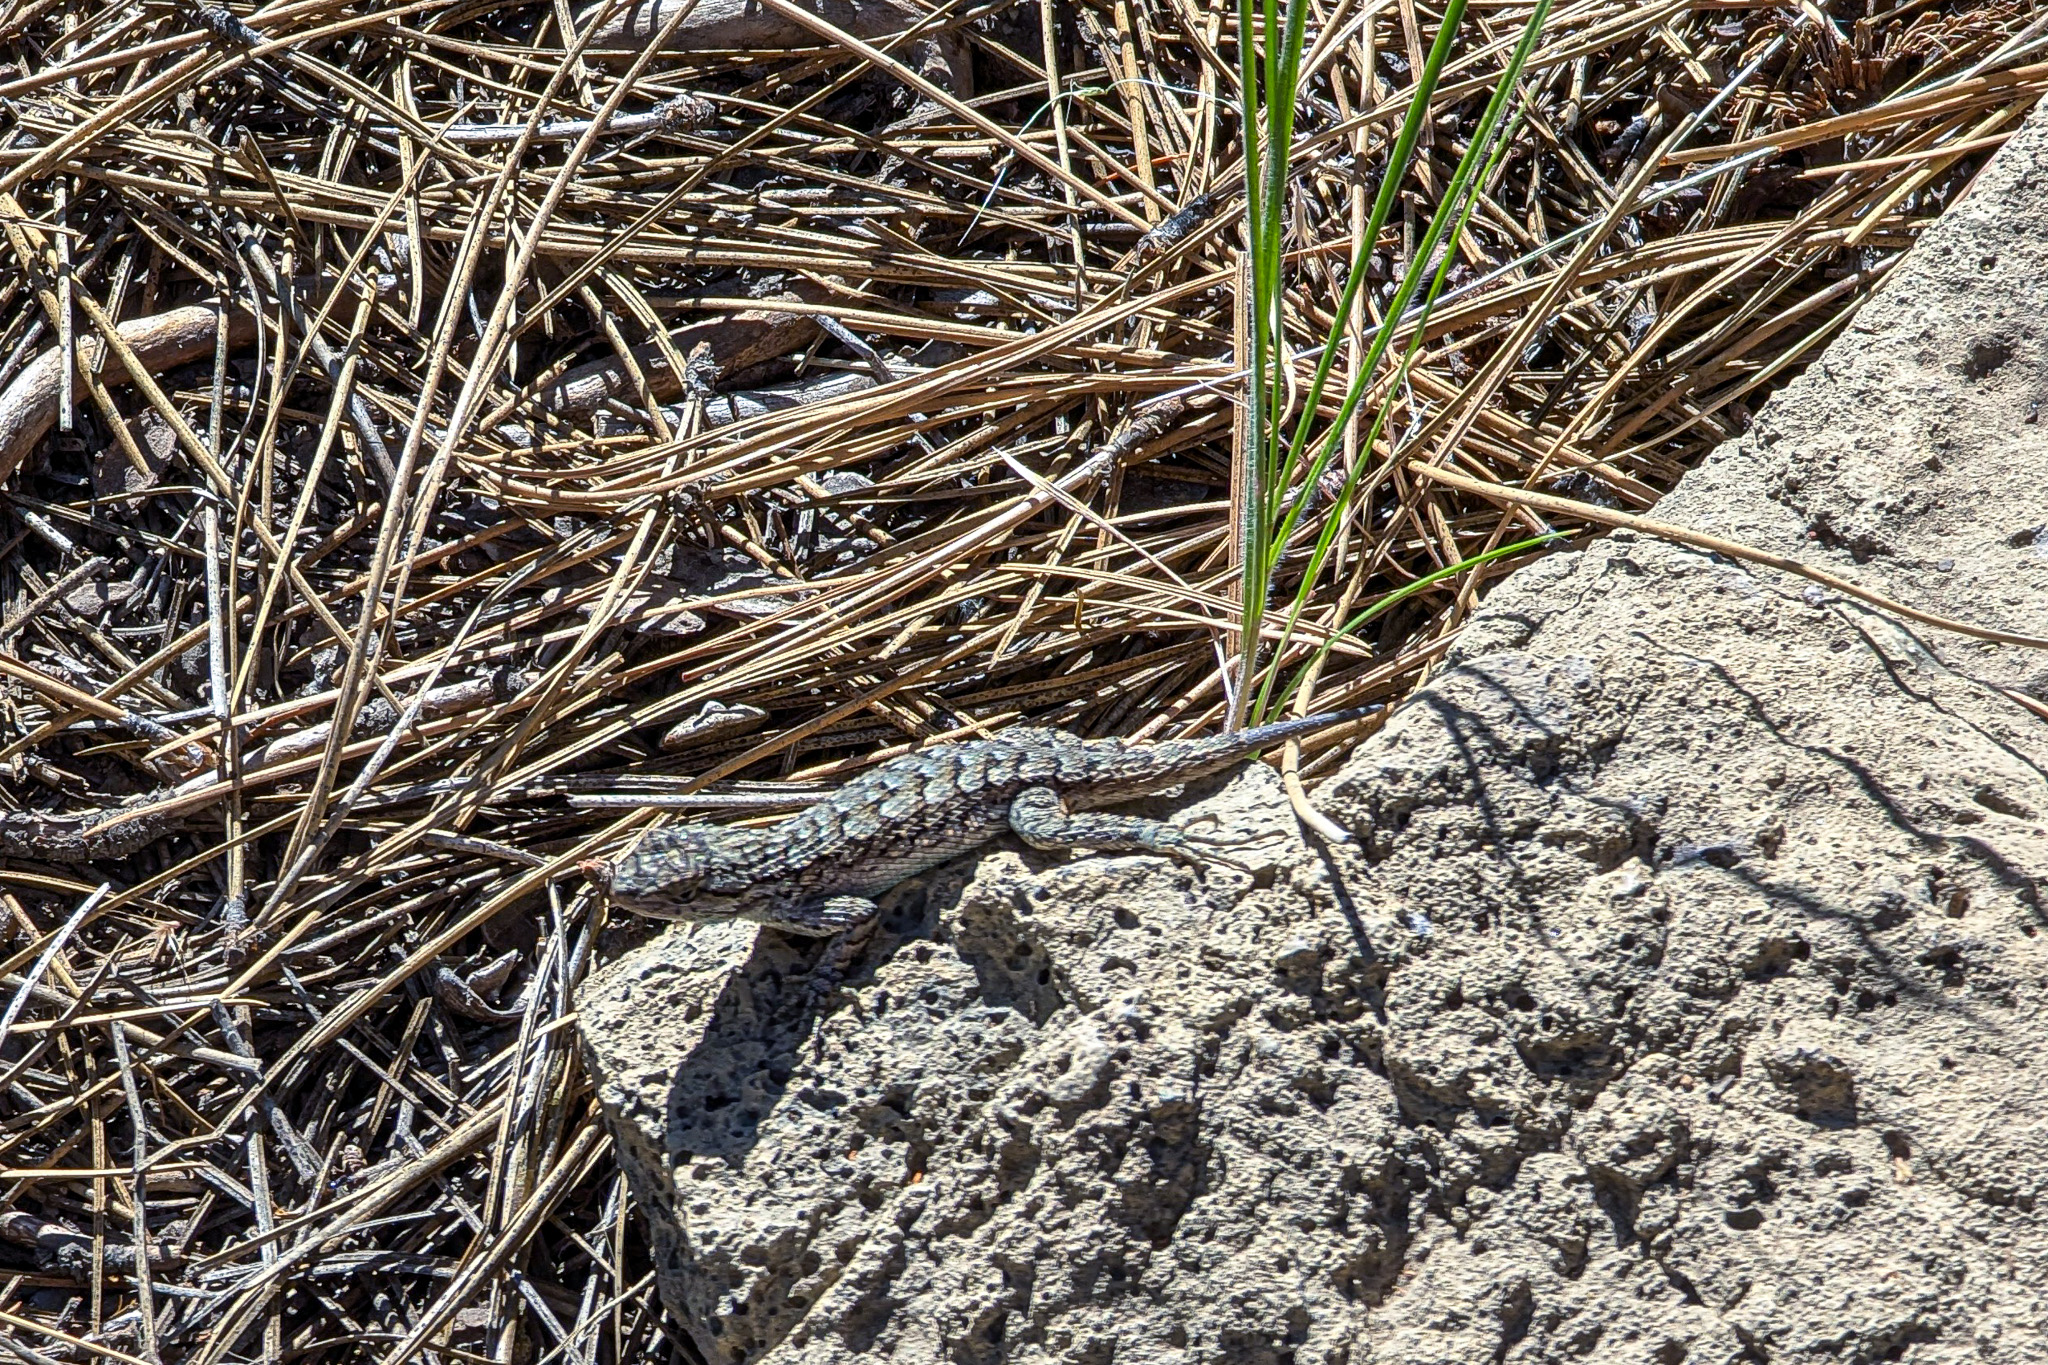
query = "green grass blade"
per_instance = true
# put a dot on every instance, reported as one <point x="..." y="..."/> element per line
<point x="1402" y="594"/>
<point x="1446" y="227"/>
<point x="1340" y="505"/>
<point x="1383" y="206"/>
<point x="1480" y="148"/>
<point x="1271" y="109"/>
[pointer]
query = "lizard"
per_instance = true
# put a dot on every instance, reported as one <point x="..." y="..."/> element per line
<point x="817" y="873"/>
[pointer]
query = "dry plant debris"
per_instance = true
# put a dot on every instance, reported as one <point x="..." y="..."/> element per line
<point x="434" y="433"/>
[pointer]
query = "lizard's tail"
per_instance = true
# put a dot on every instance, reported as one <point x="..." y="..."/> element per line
<point x="1143" y="769"/>
<point x="1263" y="737"/>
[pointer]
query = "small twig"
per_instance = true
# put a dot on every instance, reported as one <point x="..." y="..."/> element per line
<point x="87" y="569"/>
<point x="34" y="975"/>
<point x="678" y="113"/>
<point x="138" y="1155"/>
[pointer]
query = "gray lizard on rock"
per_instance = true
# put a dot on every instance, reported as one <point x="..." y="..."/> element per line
<point x="818" y="872"/>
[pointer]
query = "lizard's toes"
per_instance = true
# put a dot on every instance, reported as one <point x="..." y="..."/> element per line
<point x="1198" y="848"/>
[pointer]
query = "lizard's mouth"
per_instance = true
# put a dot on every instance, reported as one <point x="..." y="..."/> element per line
<point x="604" y="875"/>
<point x="693" y="911"/>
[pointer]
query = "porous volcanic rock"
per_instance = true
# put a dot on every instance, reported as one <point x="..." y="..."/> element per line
<point x="1680" y="1000"/>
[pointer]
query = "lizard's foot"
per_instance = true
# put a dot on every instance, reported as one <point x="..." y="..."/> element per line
<point x="1183" y="845"/>
<point x="1201" y="848"/>
<point x="844" y="949"/>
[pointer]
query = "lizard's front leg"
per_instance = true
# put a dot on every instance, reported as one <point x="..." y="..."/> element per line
<point x="815" y="918"/>
<point x="851" y="922"/>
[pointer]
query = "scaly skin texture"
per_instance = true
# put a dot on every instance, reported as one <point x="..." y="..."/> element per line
<point x="818" y="871"/>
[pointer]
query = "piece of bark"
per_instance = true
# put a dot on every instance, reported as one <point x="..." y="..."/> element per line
<point x="728" y="408"/>
<point x="378" y="715"/>
<point x="77" y="838"/>
<point x="737" y="341"/>
<point x="28" y="406"/>
<point x="659" y="606"/>
<point x="115" y="476"/>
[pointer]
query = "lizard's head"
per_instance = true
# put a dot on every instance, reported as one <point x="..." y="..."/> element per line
<point x="673" y="873"/>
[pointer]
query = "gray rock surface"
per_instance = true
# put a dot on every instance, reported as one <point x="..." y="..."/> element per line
<point x="1680" y="1002"/>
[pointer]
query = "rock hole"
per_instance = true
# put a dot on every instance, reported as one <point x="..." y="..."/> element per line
<point x="1987" y="356"/>
<point x="1516" y="1315"/>
<point x="1684" y="1286"/>
<point x="1947" y="959"/>
<point x="2000" y="802"/>
<point x="1892" y="911"/>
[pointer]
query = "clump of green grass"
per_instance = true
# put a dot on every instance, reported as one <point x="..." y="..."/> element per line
<point x="1290" y="446"/>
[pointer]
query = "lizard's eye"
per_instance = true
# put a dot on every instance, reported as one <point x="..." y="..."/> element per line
<point x="665" y="867"/>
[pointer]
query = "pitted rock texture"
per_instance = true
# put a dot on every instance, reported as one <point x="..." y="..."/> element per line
<point x="1103" y="1110"/>
<point x="1680" y="1001"/>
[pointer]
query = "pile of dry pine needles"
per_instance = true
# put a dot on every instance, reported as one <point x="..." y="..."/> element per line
<point x="431" y="432"/>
